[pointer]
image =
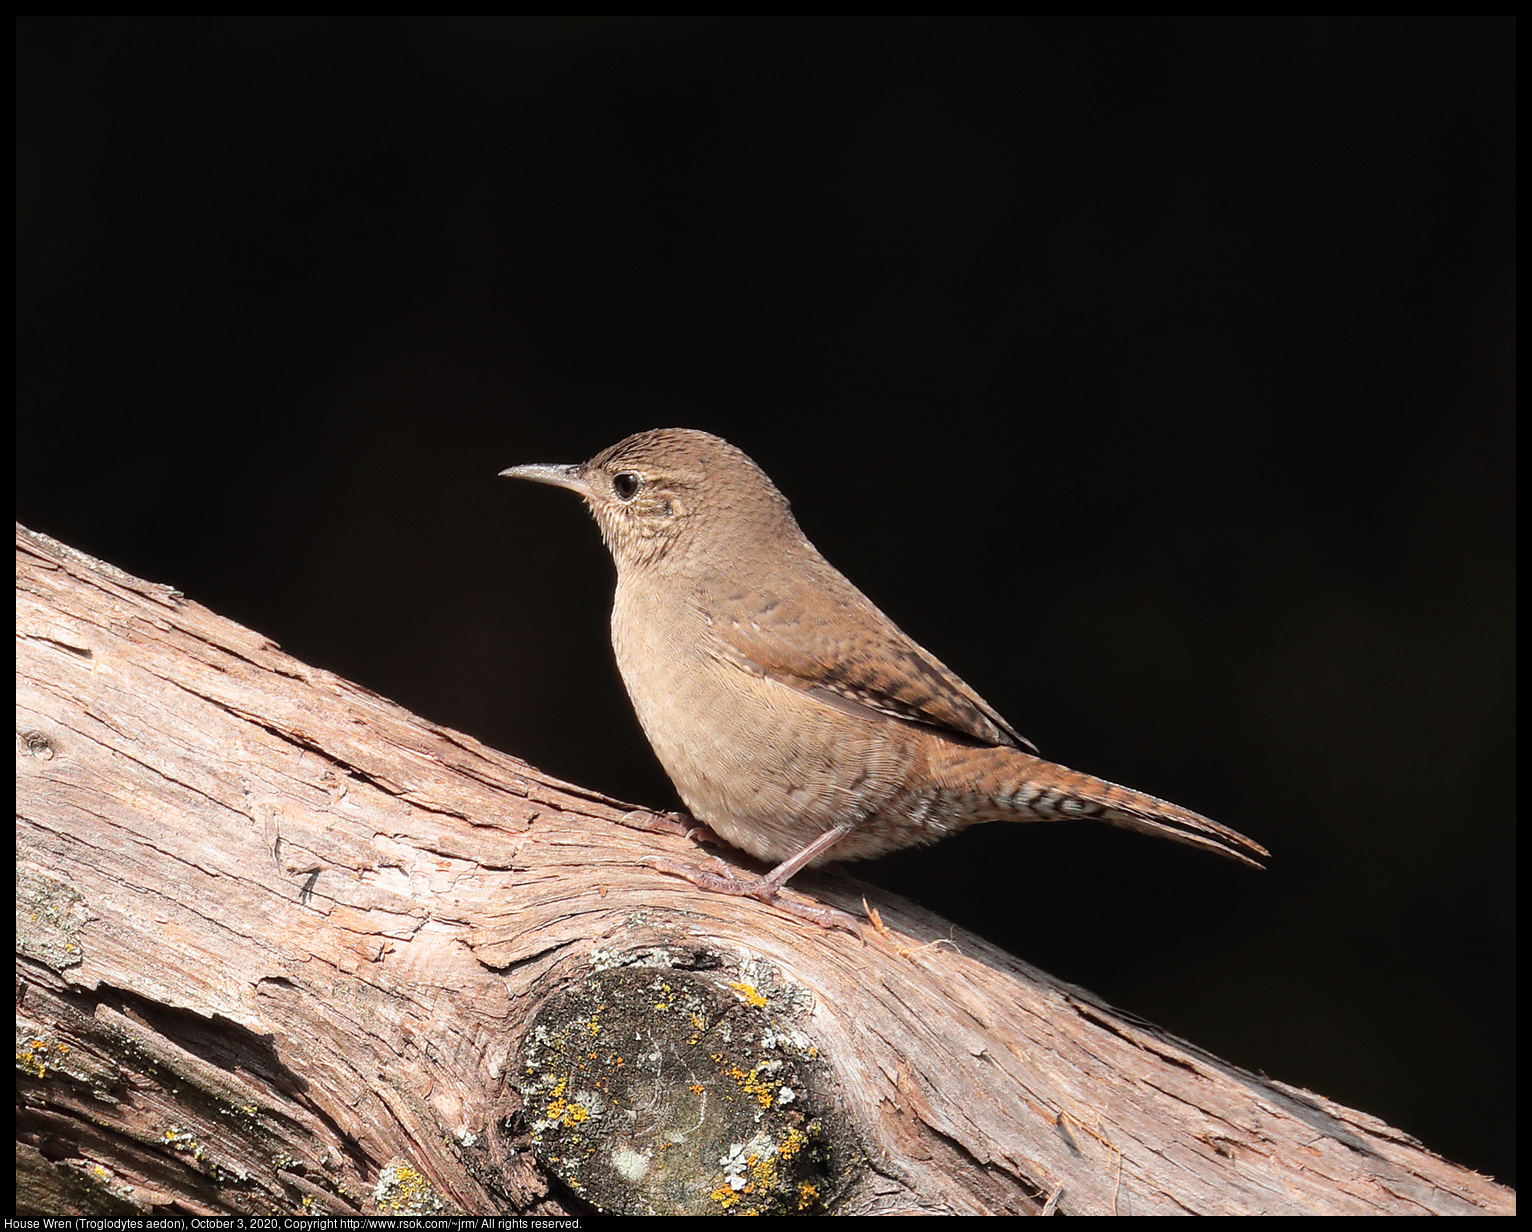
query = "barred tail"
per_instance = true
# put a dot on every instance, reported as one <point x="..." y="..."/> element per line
<point x="1031" y="789"/>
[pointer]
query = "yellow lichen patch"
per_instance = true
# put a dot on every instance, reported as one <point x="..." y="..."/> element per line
<point x="564" y="1111"/>
<point x="401" y="1190"/>
<point x="30" y="1057"/>
<point x="184" y="1140"/>
<point x="724" y="1196"/>
<point x="34" y="1054"/>
<point x="807" y="1195"/>
<point x="749" y="995"/>
<point x="763" y="1172"/>
<point x="754" y="1084"/>
<point x="792" y="1142"/>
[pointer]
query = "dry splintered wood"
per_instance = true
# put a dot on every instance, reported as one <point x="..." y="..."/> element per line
<point x="279" y="943"/>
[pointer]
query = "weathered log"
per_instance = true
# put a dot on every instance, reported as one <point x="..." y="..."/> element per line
<point x="283" y="946"/>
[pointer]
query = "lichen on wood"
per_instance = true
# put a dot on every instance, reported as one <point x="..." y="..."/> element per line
<point x="281" y="944"/>
<point x="657" y="1088"/>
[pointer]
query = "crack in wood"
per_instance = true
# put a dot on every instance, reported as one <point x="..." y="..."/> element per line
<point x="951" y="1065"/>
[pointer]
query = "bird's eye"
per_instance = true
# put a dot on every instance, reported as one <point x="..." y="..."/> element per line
<point x="626" y="484"/>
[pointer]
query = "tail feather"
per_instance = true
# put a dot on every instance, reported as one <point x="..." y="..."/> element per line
<point x="1185" y="826"/>
<point x="1042" y="791"/>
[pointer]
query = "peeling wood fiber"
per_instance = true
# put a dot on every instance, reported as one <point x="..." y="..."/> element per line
<point x="279" y="943"/>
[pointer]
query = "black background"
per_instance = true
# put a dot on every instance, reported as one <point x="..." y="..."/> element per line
<point x="1157" y="375"/>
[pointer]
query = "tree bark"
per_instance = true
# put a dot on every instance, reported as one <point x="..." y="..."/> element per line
<point x="283" y="946"/>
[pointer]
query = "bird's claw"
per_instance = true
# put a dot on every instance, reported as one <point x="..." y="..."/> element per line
<point x="671" y="823"/>
<point x="758" y="888"/>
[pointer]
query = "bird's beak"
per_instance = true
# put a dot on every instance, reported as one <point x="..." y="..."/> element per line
<point x="559" y="476"/>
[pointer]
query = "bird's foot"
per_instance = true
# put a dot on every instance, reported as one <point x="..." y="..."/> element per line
<point x="762" y="889"/>
<point x="680" y="824"/>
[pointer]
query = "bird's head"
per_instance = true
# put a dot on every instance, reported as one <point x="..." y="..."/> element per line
<point x="659" y="494"/>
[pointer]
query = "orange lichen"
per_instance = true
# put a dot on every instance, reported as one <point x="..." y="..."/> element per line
<point x="755" y="1084"/>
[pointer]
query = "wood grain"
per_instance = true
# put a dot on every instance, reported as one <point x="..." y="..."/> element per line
<point x="279" y="942"/>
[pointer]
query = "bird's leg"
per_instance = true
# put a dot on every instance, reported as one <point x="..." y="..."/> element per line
<point x="765" y="888"/>
<point x="779" y="875"/>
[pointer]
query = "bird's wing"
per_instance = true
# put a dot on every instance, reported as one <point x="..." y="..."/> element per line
<point x="834" y="644"/>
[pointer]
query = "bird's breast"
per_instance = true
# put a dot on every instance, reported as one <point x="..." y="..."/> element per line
<point x="764" y="764"/>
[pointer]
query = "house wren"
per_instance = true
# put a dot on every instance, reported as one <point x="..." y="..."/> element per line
<point x="795" y="719"/>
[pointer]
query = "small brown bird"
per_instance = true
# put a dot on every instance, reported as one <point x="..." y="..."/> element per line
<point x="795" y="719"/>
